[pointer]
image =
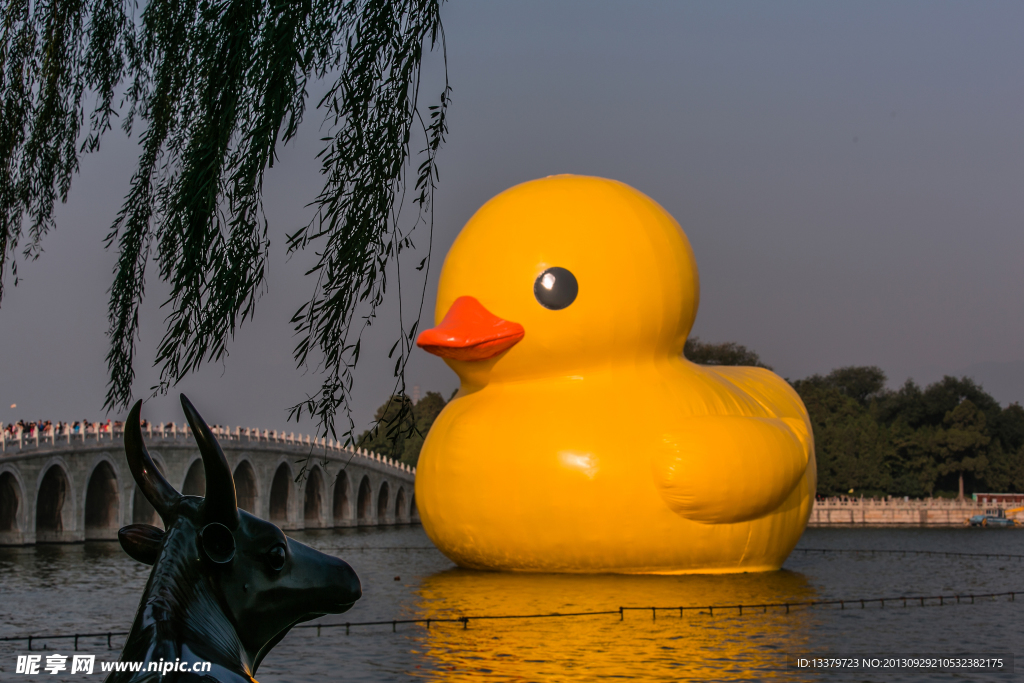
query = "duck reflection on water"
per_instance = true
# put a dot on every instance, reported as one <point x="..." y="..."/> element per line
<point x="642" y="645"/>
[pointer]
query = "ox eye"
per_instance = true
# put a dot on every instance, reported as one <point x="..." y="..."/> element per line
<point x="556" y="288"/>
<point x="276" y="557"/>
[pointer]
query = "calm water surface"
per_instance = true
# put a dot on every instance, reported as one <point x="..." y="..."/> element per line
<point x="96" y="587"/>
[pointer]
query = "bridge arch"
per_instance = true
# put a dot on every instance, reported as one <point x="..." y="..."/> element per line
<point x="413" y="512"/>
<point x="102" y="502"/>
<point x="400" y="510"/>
<point x="142" y="511"/>
<point x="383" y="497"/>
<point x="364" y="501"/>
<point x="280" y="494"/>
<point x="342" y="508"/>
<point x="246" y="486"/>
<point x="312" y="505"/>
<point x="195" y="479"/>
<point x="12" y="505"/>
<point x="55" y="503"/>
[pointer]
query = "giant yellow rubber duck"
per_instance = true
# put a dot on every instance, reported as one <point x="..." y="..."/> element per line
<point x="580" y="439"/>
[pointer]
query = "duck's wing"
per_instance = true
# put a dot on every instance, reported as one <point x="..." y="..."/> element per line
<point x="720" y="469"/>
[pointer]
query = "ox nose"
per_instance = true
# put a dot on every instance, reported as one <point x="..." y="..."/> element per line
<point x="329" y="583"/>
<point x="347" y="577"/>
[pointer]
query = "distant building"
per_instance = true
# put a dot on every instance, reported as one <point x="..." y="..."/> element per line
<point x="999" y="498"/>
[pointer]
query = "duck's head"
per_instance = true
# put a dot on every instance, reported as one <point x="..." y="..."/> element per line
<point x="563" y="275"/>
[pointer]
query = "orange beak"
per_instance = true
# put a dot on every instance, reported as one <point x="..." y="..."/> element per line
<point x="470" y="332"/>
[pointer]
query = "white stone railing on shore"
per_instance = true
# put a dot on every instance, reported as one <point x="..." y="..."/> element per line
<point x="913" y="511"/>
<point x="52" y="435"/>
<point x="901" y="502"/>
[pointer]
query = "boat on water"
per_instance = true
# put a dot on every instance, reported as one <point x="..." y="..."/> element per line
<point x="996" y="518"/>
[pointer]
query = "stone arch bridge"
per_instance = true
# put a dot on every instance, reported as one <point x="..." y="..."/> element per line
<point x="63" y="487"/>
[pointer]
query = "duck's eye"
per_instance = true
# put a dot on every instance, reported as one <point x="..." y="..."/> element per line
<point x="556" y="288"/>
<point x="276" y="557"/>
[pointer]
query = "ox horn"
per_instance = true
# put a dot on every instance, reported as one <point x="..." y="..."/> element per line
<point x="157" y="490"/>
<point x="221" y="504"/>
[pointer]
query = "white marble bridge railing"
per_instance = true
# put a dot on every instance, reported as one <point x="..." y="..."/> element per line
<point x="20" y="440"/>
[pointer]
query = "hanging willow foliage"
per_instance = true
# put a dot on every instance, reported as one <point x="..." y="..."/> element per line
<point x="216" y="86"/>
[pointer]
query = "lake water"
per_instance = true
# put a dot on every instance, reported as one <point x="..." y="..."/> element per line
<point x="96" y="587"/>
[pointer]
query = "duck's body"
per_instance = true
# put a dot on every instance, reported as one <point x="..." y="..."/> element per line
<point x="592" y="445"/>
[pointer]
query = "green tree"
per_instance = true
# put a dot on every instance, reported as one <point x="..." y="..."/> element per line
<point x="945" y="395"/>
<point x="852" y="449"/>
<point x="1005" y="470"/>
<point x="726" y="353"/>
<point x="932" y="437"/>
<point x="961" y="444"/>
<point x="216" y="86"/>
<point x="1015" y="471"/>
<point x="904" y="405"/>
<point x="1008" y="427"/>
<point x="401" y="427"/>
<point x="913" y="466"/>
<point x="393" y="422"/>
<point x="859" y="383"/>
<point x="998" y="474"/>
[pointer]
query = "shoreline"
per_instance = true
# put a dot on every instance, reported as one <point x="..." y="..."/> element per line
<point x="859" y="512"/>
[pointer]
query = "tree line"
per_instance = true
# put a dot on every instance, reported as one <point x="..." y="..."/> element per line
<point x="949" y="437"/>
<point x="946" y="439"/>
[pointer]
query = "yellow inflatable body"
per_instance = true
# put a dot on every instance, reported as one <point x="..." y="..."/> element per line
<point x="580" y="439"/>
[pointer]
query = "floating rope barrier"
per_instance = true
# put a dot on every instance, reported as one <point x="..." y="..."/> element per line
<point x="933" y="553"/>
<point x="738" y="609"/>
<point x="386" y="547"/>
<point x="64" y="636"/>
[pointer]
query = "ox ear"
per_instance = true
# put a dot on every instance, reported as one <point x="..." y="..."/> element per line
<point x="157" y="490"/>
<point x="217" y="542"/>
<point x="141" y="541"/>
<point x="220" y="504"/>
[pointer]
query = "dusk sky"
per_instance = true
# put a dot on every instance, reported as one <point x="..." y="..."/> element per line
<point x="850" y="175"/>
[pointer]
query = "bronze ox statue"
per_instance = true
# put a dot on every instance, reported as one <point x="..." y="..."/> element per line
<point x="226" y="586"/>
